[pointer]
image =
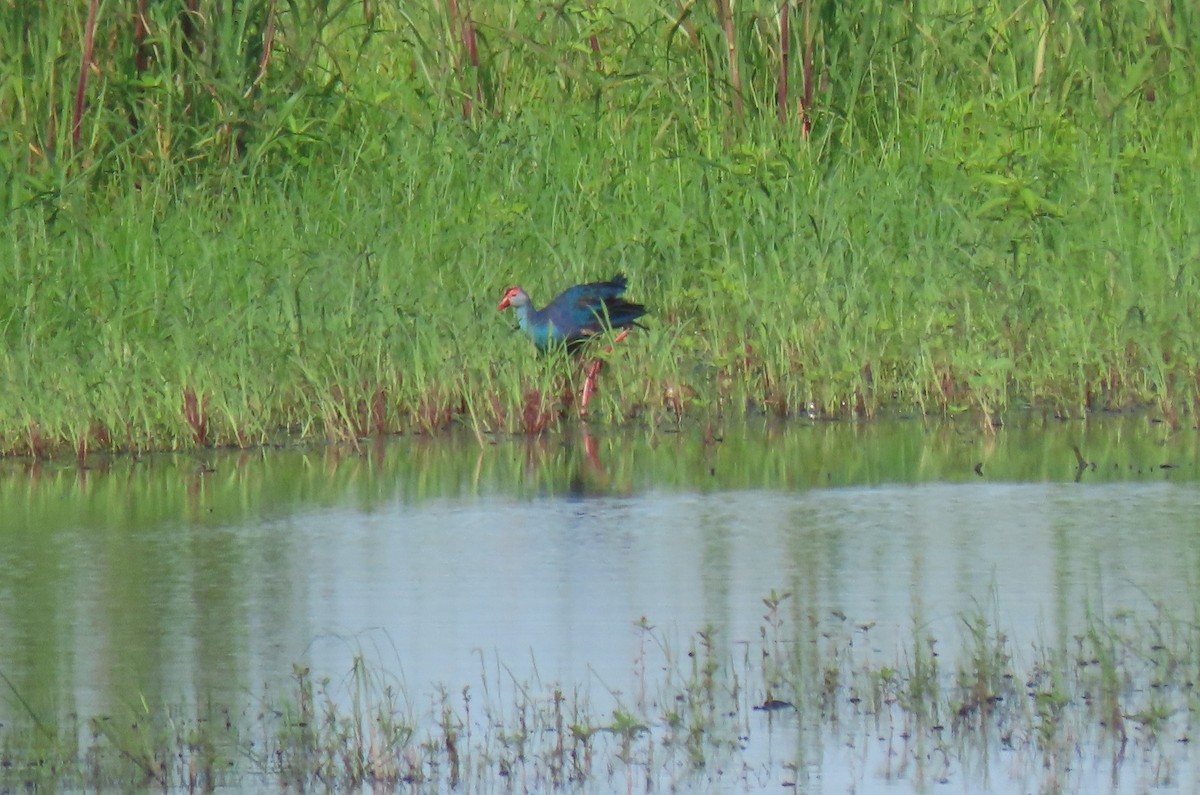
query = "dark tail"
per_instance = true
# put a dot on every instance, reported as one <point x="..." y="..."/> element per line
<point x="622" y="313"/>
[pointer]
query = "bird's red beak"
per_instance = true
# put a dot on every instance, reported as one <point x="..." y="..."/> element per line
<point x="504" y="303"/>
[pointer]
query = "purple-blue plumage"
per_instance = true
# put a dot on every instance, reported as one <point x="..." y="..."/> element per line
<point x="576" y="315"/>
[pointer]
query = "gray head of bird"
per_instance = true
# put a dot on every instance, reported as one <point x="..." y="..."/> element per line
<point x="515" y="297"/>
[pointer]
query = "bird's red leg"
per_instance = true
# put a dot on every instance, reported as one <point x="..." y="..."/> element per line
<point x="589" y="383"/>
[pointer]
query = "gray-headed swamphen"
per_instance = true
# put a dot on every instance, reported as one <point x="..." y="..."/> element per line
<point x="575" y="316"/>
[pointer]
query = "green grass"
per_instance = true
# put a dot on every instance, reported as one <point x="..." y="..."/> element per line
<point x="990" y="211"/>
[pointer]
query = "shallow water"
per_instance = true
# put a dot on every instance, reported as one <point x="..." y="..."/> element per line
<point x="182" y="579"/>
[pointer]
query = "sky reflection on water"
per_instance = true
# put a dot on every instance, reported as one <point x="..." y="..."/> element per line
<point x="522" y="563"/>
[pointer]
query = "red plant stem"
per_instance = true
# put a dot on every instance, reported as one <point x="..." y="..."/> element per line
<point x="268" y="44"/>
<point x="805" y="118"/>
<point x="196" y="415"/>
<point x="682" y="22"/>
<point x="472" y="49"/>
<point x="461" y="20"/>
<point x="784" y="53"/>
<point x="468" y="36"/>
<point x="142" y="52"/>
<point x="452" y="10"/>
<point x="89" y="36"/>
<point x="725" y="13"/>
<point x="595" y="40"/>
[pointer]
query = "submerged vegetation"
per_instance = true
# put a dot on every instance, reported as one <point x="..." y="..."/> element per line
<point x="135" y="671"/>
<point x="811" y="695"/>
<point x="227" y="221"/>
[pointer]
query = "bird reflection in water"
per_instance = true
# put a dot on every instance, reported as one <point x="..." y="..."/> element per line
<point x="570" y="464"/>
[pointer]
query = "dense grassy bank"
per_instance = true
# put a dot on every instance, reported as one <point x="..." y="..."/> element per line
<point x="304" y="224"/>
<point x="813" y="697"/>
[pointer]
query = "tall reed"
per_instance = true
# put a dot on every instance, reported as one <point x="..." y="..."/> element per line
<point x="298" y="217"/>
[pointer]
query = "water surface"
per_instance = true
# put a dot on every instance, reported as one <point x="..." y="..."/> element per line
<point x="183" y="579"/>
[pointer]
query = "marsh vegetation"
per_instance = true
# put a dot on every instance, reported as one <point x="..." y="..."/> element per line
<point x="810" y="702"/>
<point x="242" y="222"/>
<point x="230" y="221"/>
